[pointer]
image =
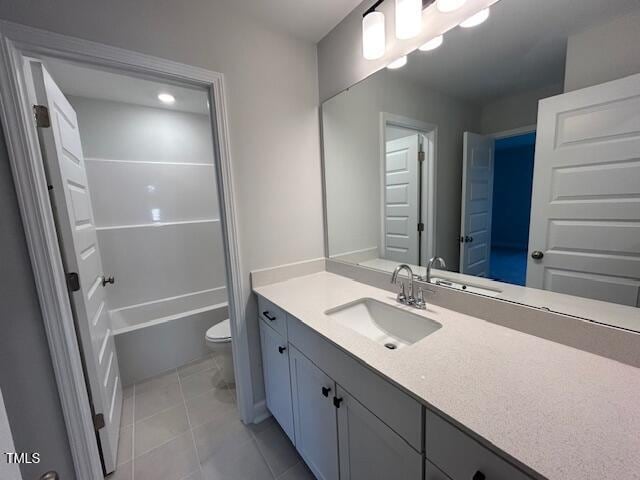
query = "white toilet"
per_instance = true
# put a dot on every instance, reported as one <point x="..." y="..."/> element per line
<point x="219" y="341"/>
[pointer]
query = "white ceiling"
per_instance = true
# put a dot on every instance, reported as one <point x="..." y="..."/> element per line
<point x="83" y="81"/>
<point x="521" y="47"/>
<point x="307" y="19"/>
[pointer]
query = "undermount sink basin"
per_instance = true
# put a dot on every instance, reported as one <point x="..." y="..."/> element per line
<point x="387" y="325"/>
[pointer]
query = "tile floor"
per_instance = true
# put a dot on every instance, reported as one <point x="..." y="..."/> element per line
<point x="184" y="425"/>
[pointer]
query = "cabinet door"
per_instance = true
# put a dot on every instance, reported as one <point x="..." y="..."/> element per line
<point x="277" y="384"/>
<point x="314" y="416"/>
<point x="369" y="449"/>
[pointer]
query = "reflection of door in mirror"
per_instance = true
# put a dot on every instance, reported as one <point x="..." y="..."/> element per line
<point x="496" y="204"/>
<point x="477" y="201"/>
<point x="407" y="194"/>
<point x="585" y="221"/>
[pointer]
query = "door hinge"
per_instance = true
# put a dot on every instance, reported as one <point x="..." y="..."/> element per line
<point x="73" y="282"/>
<point x="421" y="157"/>
<point x="98" y="421"/>
<point x="43" y="120"/>
<point x="421" y="227"/>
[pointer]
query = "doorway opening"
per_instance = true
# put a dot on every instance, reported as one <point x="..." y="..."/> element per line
<point x="512" y="190"/>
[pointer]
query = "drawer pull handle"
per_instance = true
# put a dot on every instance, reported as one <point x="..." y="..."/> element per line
<point x="268" y="316"/>
<point x="478" y="476"/>
<point x="337" y="401"/>
<point x="282" y="349"/>
<point x="325" y="391"/>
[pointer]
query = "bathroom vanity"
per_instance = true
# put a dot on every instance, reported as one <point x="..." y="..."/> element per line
<point x="456" y="397"/>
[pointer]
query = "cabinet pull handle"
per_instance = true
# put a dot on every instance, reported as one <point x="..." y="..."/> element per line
<point x="337" y="401"/>
<point x="478" y="476"/>
<point x="325" y="391"/>
<point x="269" y="317"/>
<point x="282" y="349"/>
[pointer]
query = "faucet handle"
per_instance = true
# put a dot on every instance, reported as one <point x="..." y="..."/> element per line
<point x="420" y="302"/>
<point x="402" y="296"/>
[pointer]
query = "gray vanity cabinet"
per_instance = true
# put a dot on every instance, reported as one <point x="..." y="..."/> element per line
<point x="314" y="416"/>
<point x="369" y="449"/>
<point x="277" y="386"/>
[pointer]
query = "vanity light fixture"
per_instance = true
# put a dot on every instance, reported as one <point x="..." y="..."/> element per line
<point x="432" y="44"/>
<point x="477" y="19"/>
<point x="408" y="18"/>
<point x="373" y="35"/>
<point x="166" y="98"/>
<point x="447" y="6"/>
<point x="398" y="63"/>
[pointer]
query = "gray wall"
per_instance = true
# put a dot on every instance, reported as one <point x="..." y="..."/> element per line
<point x="26" y="375"/>
<point x="351" y="128"/>
<point x="515" y="111"/>
<point x="272" y="93"/>
<point x="604" y="53"/>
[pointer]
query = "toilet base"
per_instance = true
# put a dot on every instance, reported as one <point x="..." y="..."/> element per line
<point x="224" y="359"/>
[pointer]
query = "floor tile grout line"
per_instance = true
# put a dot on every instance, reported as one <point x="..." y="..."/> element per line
<point x="193" y="435"/>
<point x="288" y="470"/>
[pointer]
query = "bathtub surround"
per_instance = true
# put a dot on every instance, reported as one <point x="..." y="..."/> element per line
<point x="153" y="190"/>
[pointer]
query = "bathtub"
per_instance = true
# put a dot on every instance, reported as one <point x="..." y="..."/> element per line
<point x="157" y="336"/>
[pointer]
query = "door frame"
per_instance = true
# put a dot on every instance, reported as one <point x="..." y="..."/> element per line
<point x="16" y="42"/>
<point x="430" y="132"/>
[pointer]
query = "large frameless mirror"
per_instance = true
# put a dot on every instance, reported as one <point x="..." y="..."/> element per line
<point x="510" y="151"/>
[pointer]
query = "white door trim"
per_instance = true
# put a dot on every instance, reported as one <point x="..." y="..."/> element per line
<point x="514" y="132"/>
<point x="17" y="41"/>
<point x="430" y="133"/>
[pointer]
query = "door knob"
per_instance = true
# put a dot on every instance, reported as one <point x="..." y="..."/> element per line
<point x="325" y="391"/>
<point x="281" y="349"/>
<point x="537" y="255"/>
<point x="106" y="280"/>
<point x="50" y="476"/>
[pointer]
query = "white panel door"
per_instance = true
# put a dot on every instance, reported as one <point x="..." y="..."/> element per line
<point x="277" y="383"/>
<point x="477" y="203"/>
<point x="71" y="203"/>
<point x="314" y="416"/>
<point x="369" y="449"/>
<point x="585" y="213"/>
<point x="401" y="200"/>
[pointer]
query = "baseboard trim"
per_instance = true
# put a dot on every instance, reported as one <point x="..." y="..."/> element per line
<point x="260" y="411"/>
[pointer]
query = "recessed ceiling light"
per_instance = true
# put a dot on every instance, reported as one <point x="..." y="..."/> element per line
<point x="446" y="6"/>
<point x="476" y="19"/>
<point x="398" y="63"/>
<point x="167" y="98"/>
<point x="432" y="44"/>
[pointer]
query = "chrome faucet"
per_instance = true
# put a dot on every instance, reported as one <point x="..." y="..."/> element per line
<point x="441" y="263"/>
<point x="402" y="297"/>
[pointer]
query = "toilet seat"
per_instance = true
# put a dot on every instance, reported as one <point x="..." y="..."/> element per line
<point x="220" y="332"/>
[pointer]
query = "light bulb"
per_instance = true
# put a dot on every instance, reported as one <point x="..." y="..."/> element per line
<point x="373" y="35"/>
<point x="446" y="6"/>
<point x="398" y="63"/>
<point x="432" y="44"/>
<point x="476" y="19"/>
<point x="166" y="98"/>
<point x="408" y="18"/>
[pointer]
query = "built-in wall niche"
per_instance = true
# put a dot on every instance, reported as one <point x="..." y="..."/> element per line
<point x="518" y="165"/>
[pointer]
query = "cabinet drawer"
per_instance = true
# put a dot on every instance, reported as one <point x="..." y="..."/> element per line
<point x="395" y="408"/>
<point x="460" y="457"/>
<point x="273" y="316"/>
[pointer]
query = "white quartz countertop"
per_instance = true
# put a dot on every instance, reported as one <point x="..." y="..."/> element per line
<point x="565" y="413"/>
